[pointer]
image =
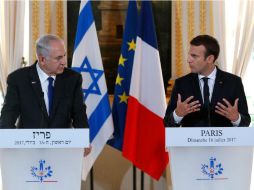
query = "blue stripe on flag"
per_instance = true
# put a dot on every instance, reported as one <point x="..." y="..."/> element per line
<point x="146" y="25"/>
<point x="85" y="20"/>
<point x="99" y="116"/>
<point x="98" y="107"/>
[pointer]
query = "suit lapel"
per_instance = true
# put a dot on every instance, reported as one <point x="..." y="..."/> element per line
<point x="196" y="88"/>
<point x="58" y="92"/>
<point x="36" y="86"/>
<point x="218" y="87"/>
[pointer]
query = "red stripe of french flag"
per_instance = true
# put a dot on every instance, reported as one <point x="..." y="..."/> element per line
<point x="144" y="136"/>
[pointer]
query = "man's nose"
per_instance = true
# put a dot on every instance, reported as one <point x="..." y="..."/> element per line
<point x="63" y="61"/>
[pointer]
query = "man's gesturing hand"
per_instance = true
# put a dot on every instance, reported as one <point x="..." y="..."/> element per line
<point x="187" y="106"/>
<point x="227" y="110"/>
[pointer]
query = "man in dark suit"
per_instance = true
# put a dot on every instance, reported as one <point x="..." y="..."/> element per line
<point x="207" y="96"/>
<point x="46" y="94"/>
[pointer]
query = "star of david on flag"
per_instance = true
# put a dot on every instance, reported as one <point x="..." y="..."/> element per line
<point x="86" y="70"/>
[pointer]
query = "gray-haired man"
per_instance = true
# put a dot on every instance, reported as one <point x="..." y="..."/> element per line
<point x="46" y="94"/>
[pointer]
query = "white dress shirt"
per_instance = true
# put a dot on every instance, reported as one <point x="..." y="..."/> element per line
<point x="211" y="81"/>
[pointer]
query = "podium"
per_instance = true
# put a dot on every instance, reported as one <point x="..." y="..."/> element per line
<point x="210" y="158"/>
<point x="34" y="159"/>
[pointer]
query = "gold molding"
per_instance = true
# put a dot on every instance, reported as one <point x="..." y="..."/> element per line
<point x="35" y="25"/>
<point x="47" y="17"/>
<point x="191" y="20"/>
<point x="211" y="18"/>
<point x="202" y="17"/>
<point x="59" y="19"/>
<point x="178" y="38"/>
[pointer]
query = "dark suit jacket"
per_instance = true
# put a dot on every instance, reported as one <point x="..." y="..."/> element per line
<point x="24" y="100"/>
<point x="226" y="85"/>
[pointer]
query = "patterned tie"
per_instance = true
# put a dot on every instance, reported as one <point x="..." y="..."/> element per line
<point x="50" y="93"/>
<point x="206" y="92"/>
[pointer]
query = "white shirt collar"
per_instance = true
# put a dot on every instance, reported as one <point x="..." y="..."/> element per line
<point x="211" y="76"/>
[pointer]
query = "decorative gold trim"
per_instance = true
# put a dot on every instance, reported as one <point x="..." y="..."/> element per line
<point x="47" y="17"/>
<point x="191" y="22"/>
<point x="35" y="25"/>
<point x="178" y="38"/>
<point x="202" y="16"/>
<point x="59" y="19"/>
<point x="211" y="18"/>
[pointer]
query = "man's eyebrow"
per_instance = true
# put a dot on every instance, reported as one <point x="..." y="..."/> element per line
<point x="60" y="56"/>
<point x="193" y="54"/>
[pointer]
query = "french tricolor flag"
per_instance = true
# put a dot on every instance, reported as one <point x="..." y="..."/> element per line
<point x="144" y="137"/>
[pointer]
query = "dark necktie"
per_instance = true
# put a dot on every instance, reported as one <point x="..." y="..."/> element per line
<point x="50" y="93"/>
<point x="206" y="92"/>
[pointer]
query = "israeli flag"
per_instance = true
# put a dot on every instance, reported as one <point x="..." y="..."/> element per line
<point x="87" y="60"/>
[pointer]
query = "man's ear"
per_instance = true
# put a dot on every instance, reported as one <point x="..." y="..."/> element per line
<point x="41" y="59"/>
<point x="210" y="59"/>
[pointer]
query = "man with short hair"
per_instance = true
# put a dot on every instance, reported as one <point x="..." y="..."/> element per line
<point x="207" y="96"/>
<point x="46" y="94"/>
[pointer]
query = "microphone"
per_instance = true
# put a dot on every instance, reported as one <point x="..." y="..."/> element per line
<point x="206" y="95"/>
<point x="209" y="114"/>
<point x="42" y="109"/>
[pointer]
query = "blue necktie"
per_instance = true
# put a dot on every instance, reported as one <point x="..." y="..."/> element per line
<point x="50" y="93"/>
<point x="206" y="92"/>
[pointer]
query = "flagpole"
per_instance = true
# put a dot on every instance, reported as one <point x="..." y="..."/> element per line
<point x="134" y="177"/>
<point x="142" y="181"/>
<point x="91" y="179"/>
